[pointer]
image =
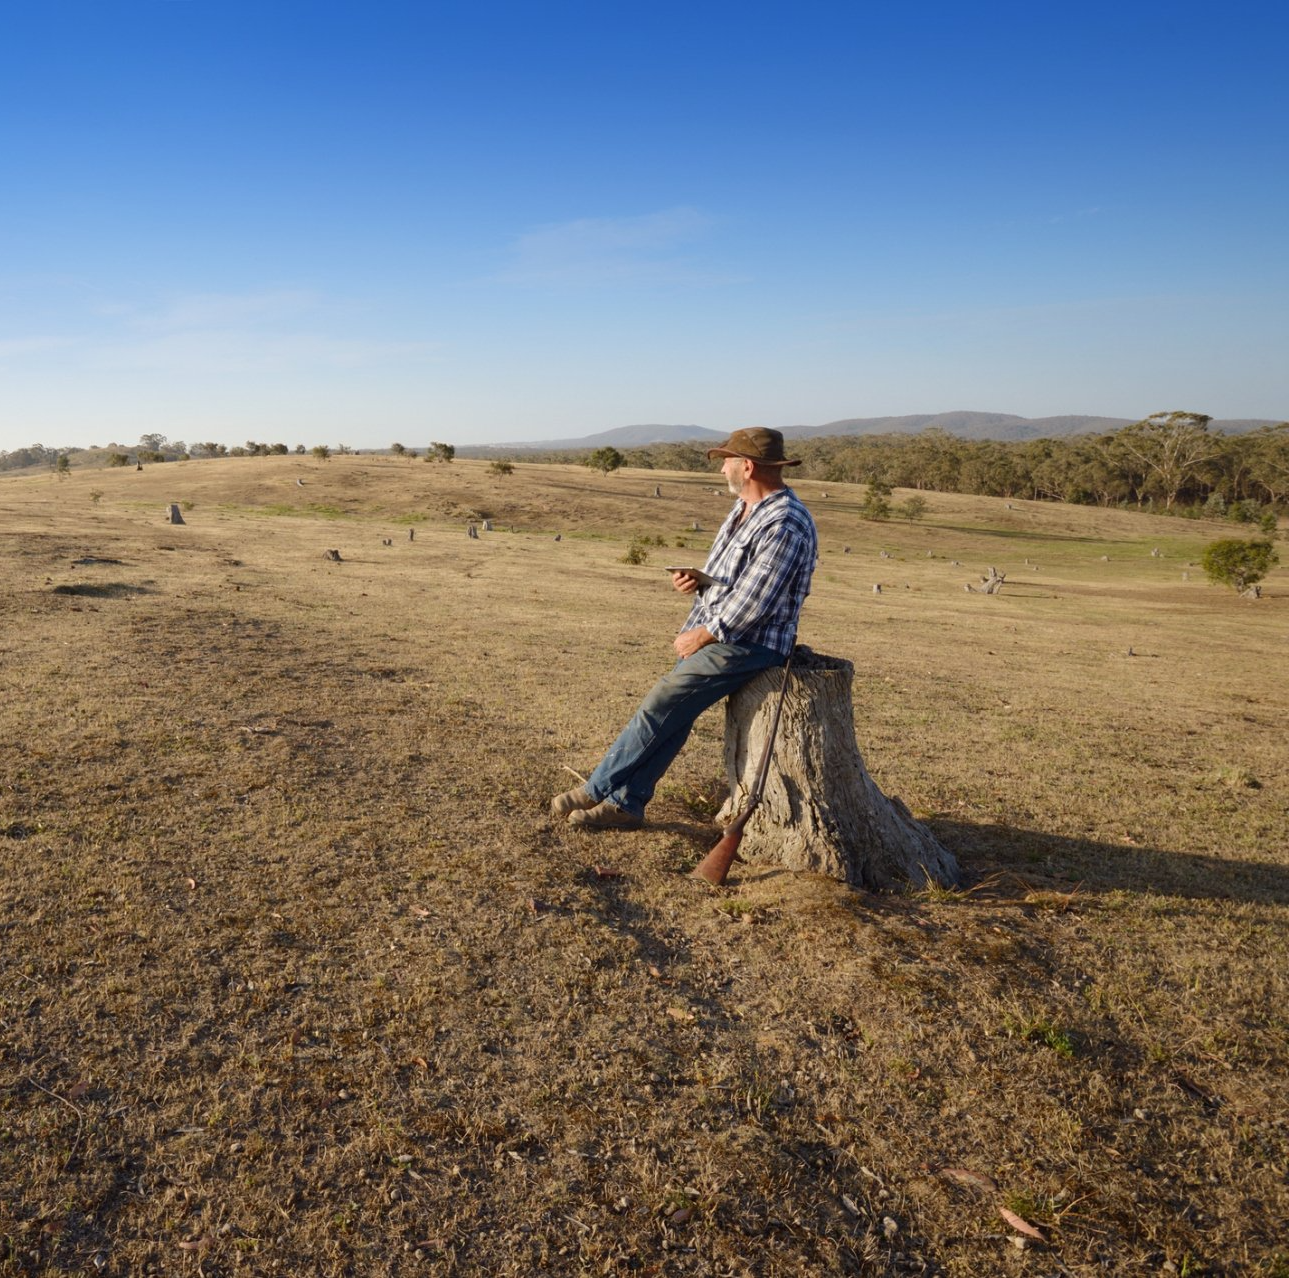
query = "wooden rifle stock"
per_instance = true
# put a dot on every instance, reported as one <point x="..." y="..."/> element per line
<point x="716" y="864"/>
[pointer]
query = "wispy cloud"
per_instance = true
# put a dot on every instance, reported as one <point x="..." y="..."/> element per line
<point x="186" y="311"/>
<point x="20" y="347"/>
<point x="221" y="310"/>
<point x="234" y="351"/>
<point x="596" y="251"/>
<point x="261" y="331"/>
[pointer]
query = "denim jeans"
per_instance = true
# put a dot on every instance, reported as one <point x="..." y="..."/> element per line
<point x="635" y="763"/>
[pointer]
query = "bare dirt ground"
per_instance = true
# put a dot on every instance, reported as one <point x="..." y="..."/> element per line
<point x="297" y="975"/>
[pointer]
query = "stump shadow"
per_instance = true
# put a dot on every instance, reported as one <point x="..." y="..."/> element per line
<point x="105" y="590"/>
<point x="1106" y="867"/>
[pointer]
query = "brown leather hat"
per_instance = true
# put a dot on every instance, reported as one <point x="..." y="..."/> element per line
<point x="758" y="444"/>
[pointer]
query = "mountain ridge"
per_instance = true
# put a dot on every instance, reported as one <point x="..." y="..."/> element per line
<point x="965" y="424"/>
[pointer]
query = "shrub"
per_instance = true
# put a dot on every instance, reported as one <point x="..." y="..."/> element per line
<point x="1238" y="563"/>
<point x="501" y="468"/>
<point x="1253" y="512"/>
<point x="876" y="503"/>
<point x="637" y="552"/>
<point x="605" y="459"/>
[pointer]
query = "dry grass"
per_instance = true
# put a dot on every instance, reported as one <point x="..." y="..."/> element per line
<point x="298" y="977"/>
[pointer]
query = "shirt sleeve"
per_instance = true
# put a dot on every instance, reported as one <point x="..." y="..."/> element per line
<point x="776" y="556"/>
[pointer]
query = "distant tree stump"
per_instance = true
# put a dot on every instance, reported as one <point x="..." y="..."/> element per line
<point x="992" y="583"/>
<point x="172" y="514"/>
<point x="821" y="811"/>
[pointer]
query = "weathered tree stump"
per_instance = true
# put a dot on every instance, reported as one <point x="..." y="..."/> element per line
<point x="173" y="515"/>
<point x="992" y="583"/>
<point x="821" y="811"/>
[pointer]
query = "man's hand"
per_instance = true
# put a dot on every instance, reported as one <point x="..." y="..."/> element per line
<point x="688" y="642"/>
<point x="684" y="582"/>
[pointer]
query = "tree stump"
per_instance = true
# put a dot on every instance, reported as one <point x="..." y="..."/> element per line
<point x="821" y="811"/>
<point x="172" y="514"/>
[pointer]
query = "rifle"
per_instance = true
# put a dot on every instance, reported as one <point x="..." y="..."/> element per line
<point x="716" y="864"/>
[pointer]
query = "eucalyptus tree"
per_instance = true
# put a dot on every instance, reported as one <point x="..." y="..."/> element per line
<point x="1171" y="448"/>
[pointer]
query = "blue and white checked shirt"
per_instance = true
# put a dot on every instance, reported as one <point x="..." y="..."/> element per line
<point x="762" y="568"/>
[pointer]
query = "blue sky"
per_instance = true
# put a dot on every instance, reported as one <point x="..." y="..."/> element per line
<point x="332" y="222"/>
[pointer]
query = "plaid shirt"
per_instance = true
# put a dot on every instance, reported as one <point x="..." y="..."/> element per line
<point x="762" y="568"/>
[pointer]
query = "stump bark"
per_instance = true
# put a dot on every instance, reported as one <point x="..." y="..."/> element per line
<point x="821" y="811"/>
<point x="172" y="514"/>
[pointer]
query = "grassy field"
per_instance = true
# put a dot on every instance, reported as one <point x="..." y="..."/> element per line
<point x="297" y="976"/>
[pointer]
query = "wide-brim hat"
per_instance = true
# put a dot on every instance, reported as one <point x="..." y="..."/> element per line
<point x="758" y="444"/>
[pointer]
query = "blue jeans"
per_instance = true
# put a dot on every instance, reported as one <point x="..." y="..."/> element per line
<point x="635" y="763"/>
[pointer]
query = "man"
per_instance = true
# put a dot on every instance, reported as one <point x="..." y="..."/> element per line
<point x="742" y="623"/>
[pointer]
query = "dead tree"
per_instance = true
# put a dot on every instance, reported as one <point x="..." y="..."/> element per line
<point x="821" y="811"/>
<point x="992" y="583"/>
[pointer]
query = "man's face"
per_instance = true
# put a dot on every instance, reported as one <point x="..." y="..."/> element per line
<point x="736" y="471"/>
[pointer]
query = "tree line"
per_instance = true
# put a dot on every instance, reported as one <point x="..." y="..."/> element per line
<point x="1167" y="462"/>
<point x="154" y="448"/>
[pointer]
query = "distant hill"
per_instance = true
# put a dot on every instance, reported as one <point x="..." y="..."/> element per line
<point x="1000" y="426"/>
<point x="620" y="437"/>
<point x="1004" y="427"/>
<point x="967" y="425"/>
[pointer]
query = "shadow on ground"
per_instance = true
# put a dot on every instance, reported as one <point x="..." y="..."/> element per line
<point x="983" y="850"/>
<point x="106" y="590"/>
